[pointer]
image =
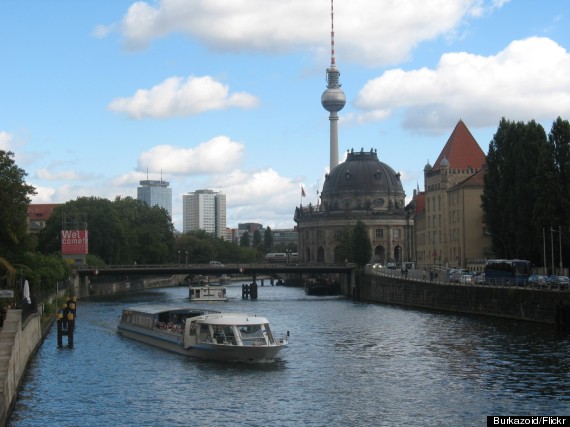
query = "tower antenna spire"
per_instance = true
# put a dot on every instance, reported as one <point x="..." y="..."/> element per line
<point x="332" y="34"/>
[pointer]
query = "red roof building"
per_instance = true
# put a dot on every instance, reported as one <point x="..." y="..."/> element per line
<point x="448" y="215"/>
<point x="38" y="214"/>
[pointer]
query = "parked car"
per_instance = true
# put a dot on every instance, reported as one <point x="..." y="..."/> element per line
<point x="466" y="279"/>
<point x="538" y="281"/>
<point x="454" y="275"/>
<point x="479" y="279"/>
<point x="558" y="282"/>
<point x="217" y="264"/>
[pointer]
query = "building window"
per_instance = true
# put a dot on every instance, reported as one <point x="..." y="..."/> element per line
<point x="397" y="234"/>
<point x="379" y="233"/>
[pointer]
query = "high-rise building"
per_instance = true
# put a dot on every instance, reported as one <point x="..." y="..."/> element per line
<point x="156" y="193"/>
<point x="204" y="210"/>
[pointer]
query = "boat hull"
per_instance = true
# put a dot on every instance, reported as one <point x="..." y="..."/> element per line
<point x="223" y="352"/>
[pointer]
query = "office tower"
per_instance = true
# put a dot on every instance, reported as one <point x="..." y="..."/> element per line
<point x="204" y="210"/>
<point x="156" y="193"/>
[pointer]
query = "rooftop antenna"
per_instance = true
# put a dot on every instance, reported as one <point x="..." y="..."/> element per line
<point x="332" y="35"/>
<point x="333" y="99"/>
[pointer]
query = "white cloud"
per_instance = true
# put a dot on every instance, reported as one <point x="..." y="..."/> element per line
<point x="44" y="195"/>
<point x="375" y="33"/>
<point x="217" y="155"/>
<point x="70" y="175"/>
<point x="102" y="31"/>
<point x="530" y="79"/>
<point x="176" y="97"/>
<point x="259" y="196"/>
<point x="5" y="141"/>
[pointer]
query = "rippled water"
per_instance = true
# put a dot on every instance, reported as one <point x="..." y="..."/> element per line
<point x="348" y="363"/>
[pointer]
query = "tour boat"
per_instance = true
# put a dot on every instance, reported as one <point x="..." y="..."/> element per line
<point x="207" y="293"/>
<point x="201" y="333"/>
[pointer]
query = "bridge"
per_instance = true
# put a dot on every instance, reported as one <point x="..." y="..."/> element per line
<point x="214" y="269"/>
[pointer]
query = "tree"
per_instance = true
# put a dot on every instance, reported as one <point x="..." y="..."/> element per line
<point x="343" y="251"/>
<point x="120" y="232"/>
<point x="268" y="239"/>
<point x="361" y="245"/>
<point x="244" y="240"/>
<point x="525" y="186"/>
<point x="257" y="240"/>
<point x="14" y="202"/>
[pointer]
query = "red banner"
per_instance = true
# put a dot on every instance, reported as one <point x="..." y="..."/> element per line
<point x="74" y="242"/>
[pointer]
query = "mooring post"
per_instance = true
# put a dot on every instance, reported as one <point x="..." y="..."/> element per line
<point x="59" y="330"/>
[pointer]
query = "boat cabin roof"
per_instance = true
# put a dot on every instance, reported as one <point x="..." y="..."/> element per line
<point x="157" y="309"/>
<point x="231" y="319"/>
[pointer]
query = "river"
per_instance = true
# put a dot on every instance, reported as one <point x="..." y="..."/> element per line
<point x="347" y="363"/>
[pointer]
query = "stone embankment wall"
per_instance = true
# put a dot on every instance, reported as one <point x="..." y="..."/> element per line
<point x="100" y="286"/>
<point x="18" y="343"/>
<point x="544" y="306"/>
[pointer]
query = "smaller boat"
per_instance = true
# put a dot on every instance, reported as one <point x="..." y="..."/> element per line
<point x="202" y="333"/>
<point x="199" y="280"/>
<point x="322" y="287"/>
<point x="225" y="280"/>
<point x="207" y="293"/>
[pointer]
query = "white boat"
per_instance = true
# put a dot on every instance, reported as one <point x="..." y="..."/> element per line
<point x="207" y="293"/>
<point x="202" y="333"/>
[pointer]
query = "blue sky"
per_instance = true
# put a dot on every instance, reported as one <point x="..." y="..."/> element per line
<point x="225" y="95"/>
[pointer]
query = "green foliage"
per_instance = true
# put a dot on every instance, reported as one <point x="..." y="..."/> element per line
<point x="361" y="245"/>
<point x="257" y="240"/>
<point x="244" y="240"/>
<point x="199" y="247"/>
<point x="268" y="239"/>
<point x="43" y="271"/>
<point x="14" y="201"/>
<point x="526" y="186"/>
<point x="343" y="251"/>
<point x="121" y="232"/>
<point x="94" y="261"/>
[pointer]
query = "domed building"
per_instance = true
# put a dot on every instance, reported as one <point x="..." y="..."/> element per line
<point x="361" y="188"/>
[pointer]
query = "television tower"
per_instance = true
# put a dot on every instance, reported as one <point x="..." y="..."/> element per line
<point x="333" y="99"/>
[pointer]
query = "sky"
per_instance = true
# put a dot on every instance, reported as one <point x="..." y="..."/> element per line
<point x="96" y="96"/>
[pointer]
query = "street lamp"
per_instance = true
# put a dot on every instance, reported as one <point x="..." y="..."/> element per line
<point x="186" y="262"/>
<point x="178" y="257"/>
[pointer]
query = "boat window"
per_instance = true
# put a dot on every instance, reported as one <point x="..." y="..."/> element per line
<point x="269" y="334"/>
<point x="229" y="335"/>
<point x="204" y="335"/>
<point x="251" y="334"/>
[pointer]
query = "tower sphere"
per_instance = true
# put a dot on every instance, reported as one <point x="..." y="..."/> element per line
<point x="333" y="99"/>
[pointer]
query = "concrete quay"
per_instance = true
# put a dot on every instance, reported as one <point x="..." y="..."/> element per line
<point x="19" y="341"/>
<point x="534" y="305"/>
